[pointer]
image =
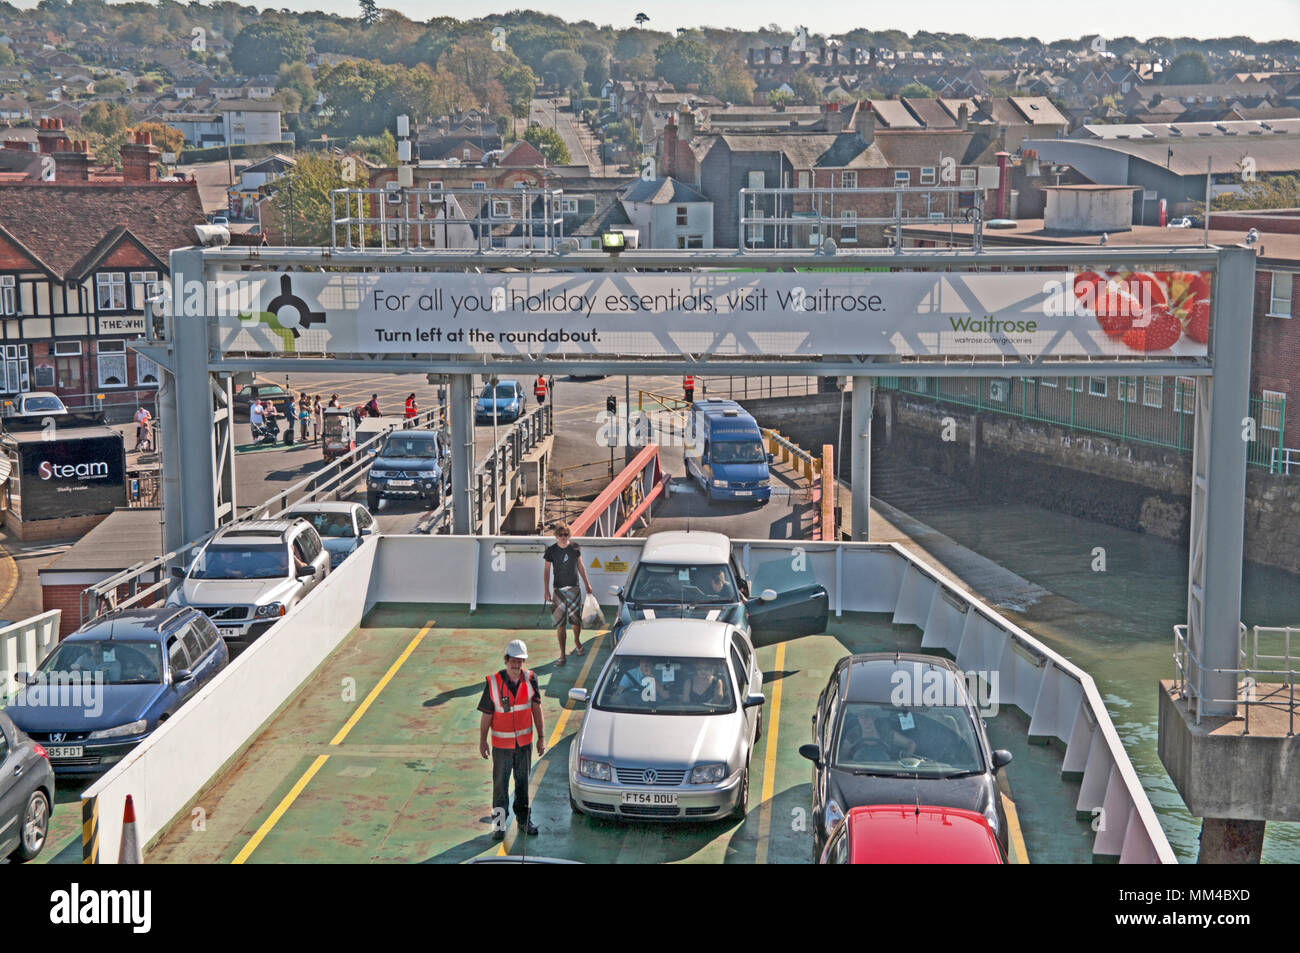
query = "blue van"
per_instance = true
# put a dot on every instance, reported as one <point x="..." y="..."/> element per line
<point x="725" y="452"/>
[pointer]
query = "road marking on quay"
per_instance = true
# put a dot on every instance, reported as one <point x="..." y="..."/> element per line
<point x="769" y="762"/>
<point x="287" y="801"/>
<point x="557" y="733"/>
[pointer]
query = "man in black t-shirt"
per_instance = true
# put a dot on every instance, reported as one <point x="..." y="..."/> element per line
<point x="567" y="597"/>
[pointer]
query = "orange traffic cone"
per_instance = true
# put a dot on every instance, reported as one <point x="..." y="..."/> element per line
<point x="129" y="851"/>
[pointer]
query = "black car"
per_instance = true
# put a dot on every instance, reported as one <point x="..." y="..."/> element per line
<point x="898" y="728"/>
<point x="412" y="464"/>
<point x="26" y="793"/>
<point x="262" y="390"/>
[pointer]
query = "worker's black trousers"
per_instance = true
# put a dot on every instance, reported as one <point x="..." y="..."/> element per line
<point x="507" y="761"/>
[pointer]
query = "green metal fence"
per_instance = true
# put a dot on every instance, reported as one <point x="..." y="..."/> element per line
<point x="1153" y="410"/>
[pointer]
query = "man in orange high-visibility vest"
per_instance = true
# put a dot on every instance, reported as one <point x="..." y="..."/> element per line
<point x="512" y="714"/>
<point x="688" y="386"/>
<point x="539" y="390"/>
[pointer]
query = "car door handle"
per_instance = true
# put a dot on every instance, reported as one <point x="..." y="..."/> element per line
<point x="18" y="770"/>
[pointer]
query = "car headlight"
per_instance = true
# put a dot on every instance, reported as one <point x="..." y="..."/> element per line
<point x="707" y="773"/>
<point x="271" y="608"/>
<point x="121" y="731"/>
<point x="832" y="816"/>
<point x="991" y="815"/>
<point x="379" y="474"/>
<point x="596" y="770"/>
<point x="721" y="483"/>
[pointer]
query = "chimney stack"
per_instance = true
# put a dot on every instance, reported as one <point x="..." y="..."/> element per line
<point x="963" y="117"/>
<point x="49" y="133"/>
<point x="72" y="161"/>
<point x="833" y="118"/>
<point x="140" y="160"/>
<point x="686" y="120"/>
<point x="864" y="121"/>
<point x="670" y="147"/>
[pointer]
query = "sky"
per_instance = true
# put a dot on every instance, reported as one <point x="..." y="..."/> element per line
<point x="1046" y="19"/>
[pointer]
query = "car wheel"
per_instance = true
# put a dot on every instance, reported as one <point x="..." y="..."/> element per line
<point x="434" y="499"/>
<point x="742" y="802"/>
<point x="574" y="805"/>
<point x="36" y="825"/>
<point x="372" y="501"/>
<point x="758" y="728"/>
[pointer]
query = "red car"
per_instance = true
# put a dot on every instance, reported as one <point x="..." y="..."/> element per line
<point x="903" y="834"/>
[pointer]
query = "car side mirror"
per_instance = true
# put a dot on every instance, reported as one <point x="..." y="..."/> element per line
<point x="178" y="572"/>
<point x="767" y="595"/>
<point x="578" y="695"/>
<point x="1001" y="758"/>
<point x="23" y="678"/>
<point x="182" y="675"/>
<point x="617" y="591"/>
<point x="812" y="753"/>
<point x="754" y="699"/>
<point x="306" y="573"/>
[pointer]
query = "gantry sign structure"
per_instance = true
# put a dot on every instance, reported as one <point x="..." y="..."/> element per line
<point x="1074" y="311"/>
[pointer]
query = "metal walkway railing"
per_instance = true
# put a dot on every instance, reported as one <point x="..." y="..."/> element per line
<point x="1265" y="678"/>
<point x="625" y="504"/>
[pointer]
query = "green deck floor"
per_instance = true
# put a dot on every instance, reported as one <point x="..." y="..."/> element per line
<point x="406" y="783"/>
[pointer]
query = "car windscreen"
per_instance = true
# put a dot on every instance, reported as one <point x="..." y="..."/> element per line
<point x="327" y="524"/>
<point x="749" y="451"/>
<point x="42" y="403"/>
<point x="653" y="582"/>
<point x="885" y="739"/>
<point x="503" y="391"/>
<point x="410" y="447"/>
<point x="242" y="562"/>
<point x="663" y="685"/>
<point x="112" y="662"/>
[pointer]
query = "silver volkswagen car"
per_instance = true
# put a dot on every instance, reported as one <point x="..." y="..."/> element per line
<point x="670" y="725"/>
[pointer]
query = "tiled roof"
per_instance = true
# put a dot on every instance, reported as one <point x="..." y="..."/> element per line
<point x="62" y="223"/>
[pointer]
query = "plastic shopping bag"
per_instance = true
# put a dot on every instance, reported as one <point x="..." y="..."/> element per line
<point x="592" y="616"/>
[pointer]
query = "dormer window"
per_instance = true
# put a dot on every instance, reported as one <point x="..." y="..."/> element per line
<point x="110" y="291"/>
<point x="8" y="295"/>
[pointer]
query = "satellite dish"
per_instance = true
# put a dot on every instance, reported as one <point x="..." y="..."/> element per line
<point x="1252" y="236"/>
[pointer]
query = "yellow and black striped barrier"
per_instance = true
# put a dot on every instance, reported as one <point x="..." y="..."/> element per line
<point x="90" y="830"/>
<point x="808" y="465"/>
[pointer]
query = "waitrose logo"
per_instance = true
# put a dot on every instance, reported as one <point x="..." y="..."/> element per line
<point x="65" y="471"/>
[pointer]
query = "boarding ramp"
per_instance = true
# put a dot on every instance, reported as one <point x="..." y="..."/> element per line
<point x="169" y="772"/>
<point x="23" y="645"/>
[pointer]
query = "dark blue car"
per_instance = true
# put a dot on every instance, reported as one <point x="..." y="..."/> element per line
<point x="107" y="686"/>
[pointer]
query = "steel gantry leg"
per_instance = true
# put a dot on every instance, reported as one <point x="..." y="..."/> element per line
<point x="1219" y="489"/>
<point x="863" y="395"/>
<point x="462" y="459"/>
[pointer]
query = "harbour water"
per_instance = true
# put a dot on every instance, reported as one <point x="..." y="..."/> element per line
<point x="1114" y="598"/>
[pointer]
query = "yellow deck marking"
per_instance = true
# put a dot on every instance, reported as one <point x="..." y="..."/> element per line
<point x="1015" y="836"/>
<point x="287" y="801"/>
<point x="556" y="734"/>
<point x="769" y="762"/>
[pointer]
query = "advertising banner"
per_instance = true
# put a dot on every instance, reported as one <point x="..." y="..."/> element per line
<point x="600" y="314"/>
<point x="72" y="477"/>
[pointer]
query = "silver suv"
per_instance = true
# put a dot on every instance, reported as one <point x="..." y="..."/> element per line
<point x="250" y="574"/>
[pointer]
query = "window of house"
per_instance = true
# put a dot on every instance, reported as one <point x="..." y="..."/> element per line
<point x="67" y="364"/>
<point x="681" y="215"/>
<point x="111" y="356"/>
<point x="803" y="180"/>
<point x="756" y="179"/>
<point x="110" y="291"/>
<point x="967" y="177"/>
<point x="143" y="285"/>
<point x="849" y="227"/>
<point x="8" y="295"/>
<point x="927" y="175"/>
<point x="569" y="206"/>
<point x="146" y="371"/>
<point x="1185" y="395"/>
<point x="478" y="184"/>
<point x="1074" y="384"/>
<point x="1097" y="386"/>
<point x="1047" y="382"/>
<point x="501" y="209"/>
<point x="14" y="377"/>
<point x="464" y="154"/>
<point x="1127" y="390"/>
<point x="1153" y="391"/>
<point x="1279" y="305"/>
<point x="849" y="180"/>
<point x="902" y="177"/>
<point x="1270" y="410"/>
<point x="690" y="241"/>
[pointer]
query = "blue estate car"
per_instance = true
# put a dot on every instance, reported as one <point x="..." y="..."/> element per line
<point x="107" y="686"/>
<point x="509" y="399"/>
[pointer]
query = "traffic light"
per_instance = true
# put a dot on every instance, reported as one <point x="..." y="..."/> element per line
<point x="611" y="404"/>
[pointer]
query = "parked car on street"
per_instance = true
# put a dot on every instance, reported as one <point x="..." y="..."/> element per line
<point x="342" y="526"/>
<point x="411" y="464"/>
<point x="106" y="687"/>
<point x="508" y="398"/>
<point x="899" y="728"/>
<point x="26" y="793"/>
<point x="913" y="834"/>
<point x="259" y="390"/>
<point x="695" y="575"/>
<point x="251" y="574"/>
<point x="671" y="725"/>
<point x="36" y="404"/>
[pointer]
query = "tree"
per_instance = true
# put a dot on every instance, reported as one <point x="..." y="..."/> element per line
<point x="642" y="20"/>
<point x="683" y="60"/>
<point x="381" y="149"/>
<point x="6" y="55"/>
<point x="106" y="119"/>
<point x="806" y="89"/>
<point x="165" y="137"/>
<point x="297" y="76"/>
<point x="735" y="84"/>
<point x="915" y="90"/>
<point x="1276" y="191"/>
<point x="369" y="13"/>
<point x="302" y="197"/>
<point x="563" y="69"/>
<point x="266" y="45"/>
<point x="641" y="66"/>
<point x="1189" y="67"/>
<point x="519" y="84"/>
<point x="548" y="142"/>
<point x="596" y="56"/>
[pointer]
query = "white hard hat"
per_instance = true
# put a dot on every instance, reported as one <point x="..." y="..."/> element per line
<point x="517" y="649"/>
